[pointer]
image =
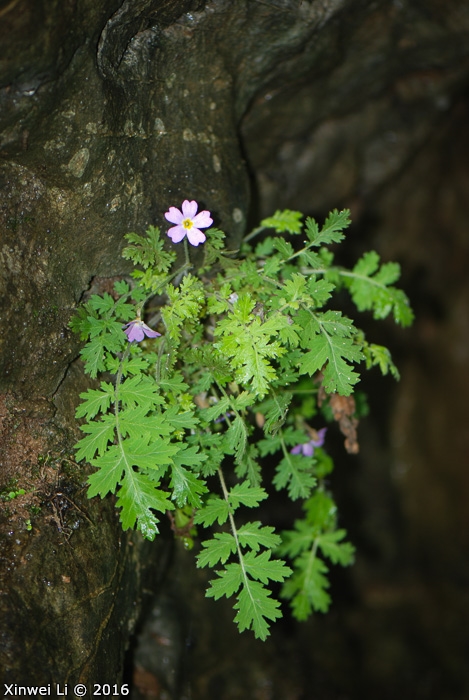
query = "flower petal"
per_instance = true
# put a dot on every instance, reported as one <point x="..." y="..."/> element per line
<point x="149" y="332"/>
<point x="174" y="215"/>
<point x="296" y="450"/>
<point x="189" y="209"/>
<point x="177" y="233"/>
<point x="135" y="333"/>
<point x="320" y="439"/>
<point x="308" y="449"/>
<point x="195" y="236"/>
<point x="203" y="219"/>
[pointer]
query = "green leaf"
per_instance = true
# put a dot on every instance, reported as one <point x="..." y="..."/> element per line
<point x="307" y="588"/>
<point x="93" y="357"/>
<point x="217" y="550"/>
<point x="295" y="473"/>
<point x="138" y="496"/>
<point x="186" y="420"/>
<point x="95" y="401"/>
<point x="255" y="535"/>
<point x="217" y="410"/>
<point x="148" y="251"/>
<point x="105" y="334"/>
<point x="140" y="391"/>
<point x="111" y="466"/>
<point x="255" y="606"/>
<point x="216" y="508"/>
<point x="153" y="456"/>
<point x="228" y="582"/>
<point x="379" y="355"/>
<point x="265" y="248"/>
<point x="330" y="348"/>
<point x="284" y="248"/>
<point x="370" y="288"/>
<point x="236" y="438"/>
<point x="331" y="545"/>
<point x="262" y="568"/>
<point x="331" y="232"/>
<point x="214" y="250"/>
<point x="246" y="340"/>
<point x="319" y="290"/>
<point x="272" y="266"/>
<point x="275" y="411"/>
<point x="100" y="433"/>
<point x="121" y="287"/>
<point x="296" y="541"/>
<point x="211" y="447"/>
<point x="130" y="365"/>
<point x="190" y="455"/>
<point x="187" y="488"/>
<point x="102" y="304"/>
<point x="242" y="401"/>
<point x="185" y="303"/>
<point x="174" y="384"/>
<point x="246" y="495"/>
<point x="134" y="422"/>
<point x="284" y="221"/>
<point x="321" y="511"/>
<point x="248" y="468"/>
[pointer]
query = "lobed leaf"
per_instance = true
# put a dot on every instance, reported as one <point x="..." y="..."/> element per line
<point x="217" y="550"/>
<point x="284" y="221"/>
<point x="236" y="438"/>
<point x="255" y="535"/>
<point x="331" y="545"/>
<point x="137" y="497"/>
<point x="246" y="495"/>
<point x="294" y="472"/>
<point x="215" y="509"/>
<point x="330" y="349"/>
<point x="140" y="391"/>
<point x="332" y="230"/>
<point x="100" y="434"/>
<point x="371" y="290"/>
<point x="262" y="568"/>
<point x="255" y="607"/>
<point x="228" y="582"/>
<point x="95" y="401"/>
<point x="187" y="487"/>
<point x="111" y="466"/>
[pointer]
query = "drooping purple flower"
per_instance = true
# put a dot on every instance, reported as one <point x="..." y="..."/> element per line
<point x="136" y="331"/>
<point x="188" y="223"/>
<point x="307" y="448"/>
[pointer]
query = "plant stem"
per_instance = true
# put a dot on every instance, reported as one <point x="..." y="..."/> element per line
<point x="253" y="233"/>
<point x="186" y="252"/>
<point x="233" y="526"/>
<point x="116" y="394"/>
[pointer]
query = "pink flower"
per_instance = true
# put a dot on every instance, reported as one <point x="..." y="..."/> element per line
<point x="188" y="223"/>
<point x="307" y="448"/>
<point x="137" y="330"/>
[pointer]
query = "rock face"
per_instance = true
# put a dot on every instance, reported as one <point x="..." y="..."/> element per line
<point x="112" y="111"/>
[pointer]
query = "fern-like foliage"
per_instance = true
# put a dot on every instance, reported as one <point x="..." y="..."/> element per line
<point x="312" y="545"/>
<point x="195" y="412"/>
<point x="253" y="567"/>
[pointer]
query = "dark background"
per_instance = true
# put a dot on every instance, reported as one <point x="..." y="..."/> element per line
<point x="109" y="113"/>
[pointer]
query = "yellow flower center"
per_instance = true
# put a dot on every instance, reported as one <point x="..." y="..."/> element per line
<point x="187" y="223"/>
